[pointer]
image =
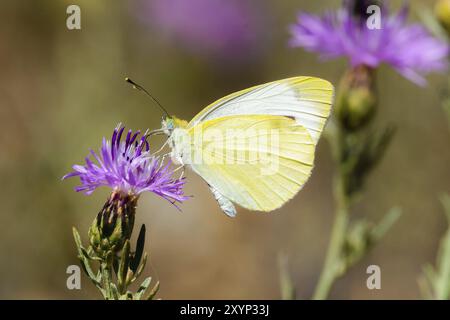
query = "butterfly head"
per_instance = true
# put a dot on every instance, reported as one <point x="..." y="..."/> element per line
<point x="170" y="123"/>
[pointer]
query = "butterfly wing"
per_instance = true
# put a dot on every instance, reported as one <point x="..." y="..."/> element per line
<point x="256" y="161"/>
<point x="224" y="203"/>
<point x="307" y="99"/>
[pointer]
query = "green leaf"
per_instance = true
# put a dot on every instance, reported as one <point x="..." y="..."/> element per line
<point x="425" y="284"/>
<point x="154" y="291"/>
<point x="445" y="200"/>
<point x="123" y="267"/>
<point x="136" y="260"/>
<point x="139" y="270"/>
<point x="89" y="272"/>
<point x="362" y="236"/>
<point x="114" y="291"/>
<point x="115" y="264"/>
<point x="429" y="273"/>
<point x="429" y="20"/>
<point x="77" y="238"/>
<point x="360" y="155"/>
<point x="386" y="223"/>
<point x="86" y="254"/>
<point x="84" y="258"/>
<point x="142" y="289"/>
<point x="103" y="292"/>
<point x="286" y="286"/>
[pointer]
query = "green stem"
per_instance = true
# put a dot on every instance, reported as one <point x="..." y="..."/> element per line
<point x="330" y="271"/>
<point x="106" y="279"/>
<point x="442" y="281"/>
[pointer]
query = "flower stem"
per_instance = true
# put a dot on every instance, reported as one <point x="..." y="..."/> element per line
<point x="107" y="279"/>
<point x="330" y="271"/>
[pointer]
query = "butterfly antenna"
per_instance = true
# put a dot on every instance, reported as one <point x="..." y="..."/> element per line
<point x="140" y="88"/>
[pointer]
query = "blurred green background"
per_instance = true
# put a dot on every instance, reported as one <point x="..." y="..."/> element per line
<point x="62" y="90"/>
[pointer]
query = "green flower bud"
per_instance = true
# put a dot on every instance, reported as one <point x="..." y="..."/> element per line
<point x="356" y="100"/>
<point x="113" y="224"/>
<point x="442" y="12"/>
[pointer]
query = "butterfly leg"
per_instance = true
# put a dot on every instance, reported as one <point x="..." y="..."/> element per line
<point x="178" y="168"/>
<point x="161" y="148"/>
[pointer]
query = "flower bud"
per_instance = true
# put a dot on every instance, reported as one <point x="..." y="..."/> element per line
<point x="113" y="224"/>
<point x="442" y="12"/>
<point x="356" y="101"/>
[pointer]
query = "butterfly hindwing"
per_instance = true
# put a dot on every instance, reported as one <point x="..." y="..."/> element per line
<point x="256" y="161"/>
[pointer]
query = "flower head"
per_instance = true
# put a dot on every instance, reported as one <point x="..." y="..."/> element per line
<point x="213" y="28"/>
<point x="128" y="167"/>
<point x="408" y="48"/>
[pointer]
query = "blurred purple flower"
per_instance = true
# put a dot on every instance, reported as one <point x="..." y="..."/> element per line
<point x="409" y="49"/>
<point x="217" y="27"/>
<point x="128" y="166"/>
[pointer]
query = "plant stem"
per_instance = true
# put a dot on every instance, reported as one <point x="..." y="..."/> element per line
<point x="107" y="279"/>
<point x="330" y="271"/>
<point x="442" y="280"/>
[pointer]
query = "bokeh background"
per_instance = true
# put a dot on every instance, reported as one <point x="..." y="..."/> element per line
<point x="61" y="91"/>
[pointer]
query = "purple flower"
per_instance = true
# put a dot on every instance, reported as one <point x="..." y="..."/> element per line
<point x="208" y="27"/>
<point x="409" y="49"/>
<point x="128" y="166"/>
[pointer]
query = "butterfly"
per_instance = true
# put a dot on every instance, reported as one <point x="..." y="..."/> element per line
<point x="255" y="147"/>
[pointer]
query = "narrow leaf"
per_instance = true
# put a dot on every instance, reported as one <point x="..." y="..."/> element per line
<point x="445" y="200"/>
<point x="139" y="270"/>
<point x="123" y="266"/>
<point x="84" y="258"/>
<point x="386" y="223"/>
<point x="286" y="286"/>
<point x="154" y="291"/>
<point x="142" y="288"/>
<point x="134" y="264"/>
<point x="77" y="238"/>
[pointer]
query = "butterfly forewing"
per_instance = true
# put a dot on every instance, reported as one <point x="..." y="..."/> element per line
<point x="307" y="99"/>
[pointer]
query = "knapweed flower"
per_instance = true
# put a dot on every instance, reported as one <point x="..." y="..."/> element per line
<point x="127" y="166"/>
<point x="408" y="48"/>
<point x="212" y="28"/>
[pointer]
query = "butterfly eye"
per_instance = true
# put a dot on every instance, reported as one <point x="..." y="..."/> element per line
<point x="168" y="124"/>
